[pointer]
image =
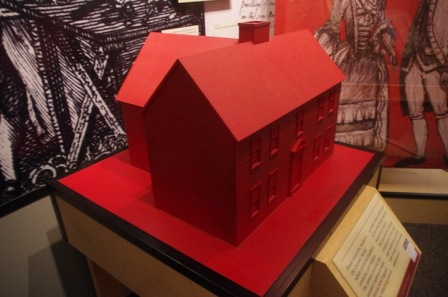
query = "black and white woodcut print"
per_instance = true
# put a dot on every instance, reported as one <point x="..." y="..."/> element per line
<point x="62" y="62"/>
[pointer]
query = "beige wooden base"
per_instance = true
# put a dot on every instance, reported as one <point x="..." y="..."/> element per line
<point x="414" y="181"/>
<point x="419" y="211"/>
<point x="426" y="183"/>
<point x="105" y="285"/>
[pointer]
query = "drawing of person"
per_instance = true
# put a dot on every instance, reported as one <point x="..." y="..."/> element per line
<point x="424" y="76"/>
<point x="360" y="54"/>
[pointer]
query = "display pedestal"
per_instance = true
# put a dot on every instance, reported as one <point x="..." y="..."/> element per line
<point x="107" y="213"/>
<point x="368" y="253"/>
<point x="414" y="181"/>
<point x="416" y="195"/>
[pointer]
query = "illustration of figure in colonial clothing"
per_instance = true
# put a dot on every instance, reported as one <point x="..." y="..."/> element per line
<point x="424" y="76"/>
<point x="364" y="103"/>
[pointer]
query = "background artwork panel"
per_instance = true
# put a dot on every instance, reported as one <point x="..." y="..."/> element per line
<point x="62" y="62"/>
<point x="394" y="55"/>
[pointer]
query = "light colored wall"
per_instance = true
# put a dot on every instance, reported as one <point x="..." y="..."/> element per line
<point x="34" y="259"/>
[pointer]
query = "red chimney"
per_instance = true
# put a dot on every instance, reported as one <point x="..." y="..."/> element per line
<point x="255" y="31"/>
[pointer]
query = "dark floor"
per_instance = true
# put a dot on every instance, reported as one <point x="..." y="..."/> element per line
<point x="431" y="279"/>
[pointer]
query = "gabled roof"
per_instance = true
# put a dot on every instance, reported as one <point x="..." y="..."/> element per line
<point x="156" y="57"/>
<point x="251" y="86"/>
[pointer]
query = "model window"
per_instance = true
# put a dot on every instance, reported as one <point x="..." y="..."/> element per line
<point x="274" y="139"/>
<point x="316" y="148"/>
<point x="295" y="173"/>
<point x="255" y="148"/>
<point x="254" y="201"/>
<point x="328" y="139"/>
<point x="299" y="122"/>
<point x="272" y="186"/>
<point x="331" y="101"/>
<point x="320" y="108"/>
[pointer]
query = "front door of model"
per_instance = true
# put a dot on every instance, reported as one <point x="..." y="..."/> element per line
<point x="295" y="175"/>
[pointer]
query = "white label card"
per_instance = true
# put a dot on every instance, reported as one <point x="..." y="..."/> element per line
<point x="375" y="256"/>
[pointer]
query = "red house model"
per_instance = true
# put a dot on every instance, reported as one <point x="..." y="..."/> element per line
<point x="231" y="129"/>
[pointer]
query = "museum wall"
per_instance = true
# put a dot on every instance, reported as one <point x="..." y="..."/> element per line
<point x="62" y="62"/>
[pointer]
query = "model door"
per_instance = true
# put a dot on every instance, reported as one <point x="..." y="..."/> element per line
<point x="295" y="176"/>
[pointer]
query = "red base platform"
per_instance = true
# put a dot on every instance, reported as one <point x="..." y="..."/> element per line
<point x="268" y="261"/>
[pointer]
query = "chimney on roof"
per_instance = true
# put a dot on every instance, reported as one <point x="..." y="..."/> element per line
<point x="255" y="31"/>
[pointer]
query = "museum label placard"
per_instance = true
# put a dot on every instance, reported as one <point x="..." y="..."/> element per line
<point x="378" y="257"/>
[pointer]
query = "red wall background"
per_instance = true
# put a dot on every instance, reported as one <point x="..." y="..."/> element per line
<point x="293" y="15"/>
